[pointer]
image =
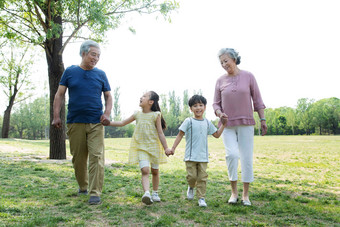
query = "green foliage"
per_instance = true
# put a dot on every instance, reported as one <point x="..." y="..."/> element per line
<point x="39" y="21"/>
<point x="15" y="71"/>
<point x="116" y="106"/>
<point x="31" y="120"/>
<point x="322" y="116"/>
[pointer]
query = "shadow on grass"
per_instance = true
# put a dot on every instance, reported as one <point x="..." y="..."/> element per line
<point x="45" y="194"/>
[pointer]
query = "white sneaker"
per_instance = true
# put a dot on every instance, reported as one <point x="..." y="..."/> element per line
<point x="233" y="200"/>
<point x="202" y="203"/>
<point x="190" y="193"/>
<point x="147" y="198"/>
<point x="155" y="197"/>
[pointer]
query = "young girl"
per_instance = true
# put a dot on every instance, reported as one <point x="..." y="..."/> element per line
<point x="147" y="141"/>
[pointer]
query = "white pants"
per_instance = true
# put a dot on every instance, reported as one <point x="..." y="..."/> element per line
<point x="239" y="142"/>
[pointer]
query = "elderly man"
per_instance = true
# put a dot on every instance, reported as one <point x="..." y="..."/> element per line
<point x="85" y="85"/>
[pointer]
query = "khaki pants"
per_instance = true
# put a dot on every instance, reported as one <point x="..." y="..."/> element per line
<point x="197" y="177"/>
<point x="87" y="142"/>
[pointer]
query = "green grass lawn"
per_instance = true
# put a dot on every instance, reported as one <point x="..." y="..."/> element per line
<point x="297" y="183"/>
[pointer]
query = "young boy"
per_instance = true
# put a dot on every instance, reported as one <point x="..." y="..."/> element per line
<point x="196" y="130"/>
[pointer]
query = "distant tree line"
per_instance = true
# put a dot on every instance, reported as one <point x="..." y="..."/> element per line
<point x="322" y="117"/>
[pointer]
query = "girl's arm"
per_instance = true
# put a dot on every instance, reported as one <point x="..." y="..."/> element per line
<point x="123" y="122"/>
<point x="161" y="135"/>
<point x="177" y="141"/>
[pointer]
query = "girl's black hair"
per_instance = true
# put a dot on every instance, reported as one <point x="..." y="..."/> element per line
<point x="155" y="106"/>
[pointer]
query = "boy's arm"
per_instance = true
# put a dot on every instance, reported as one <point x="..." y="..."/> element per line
<point x="123" y="122"/>
<point x="218" y="133"/>
<point x="177" y="141"/>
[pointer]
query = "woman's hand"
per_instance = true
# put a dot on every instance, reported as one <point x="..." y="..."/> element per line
<point x="263" y="128"/>
<point x="224" y="120"/>
<point x="223" y="117"/>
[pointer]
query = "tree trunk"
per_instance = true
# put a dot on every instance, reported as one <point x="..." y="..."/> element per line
<point x="55" y="71"/>
<point x="320" y="131"/>
<point x="6" y="122"/>
<point x="7" y="116"/>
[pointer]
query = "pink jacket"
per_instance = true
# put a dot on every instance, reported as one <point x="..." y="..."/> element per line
<point x="236" y="96"/>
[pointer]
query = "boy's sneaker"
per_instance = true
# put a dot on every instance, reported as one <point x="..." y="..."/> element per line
<point x="94" y="200"/>
<point x="190" y="193"/>
<point x="202" y="203"/>
<point x="82" y="192"/>
<point x="155" y="197"/>
<point x="146" y="199"/>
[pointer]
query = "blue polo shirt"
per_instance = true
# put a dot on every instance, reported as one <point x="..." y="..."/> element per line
<point x="85" y="88"/>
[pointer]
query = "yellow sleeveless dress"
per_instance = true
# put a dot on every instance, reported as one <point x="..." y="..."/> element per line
<point x="145" y="143"/>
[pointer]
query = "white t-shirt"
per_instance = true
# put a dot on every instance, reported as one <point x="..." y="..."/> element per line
<point x="196" y="136"/>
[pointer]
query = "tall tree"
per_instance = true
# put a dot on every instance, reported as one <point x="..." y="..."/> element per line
<point x="116" y="106"/>
<point x="115" y="131"/>
<point x="29" y="120"/>
<point x="333" y="114"/>
<point x="47" y="23"/>
<point x="15" y="65"/>
<point x="326" y="115"/>
<point x="185" y="109"/>
<point x="304" y="114"/>
<point x="20" y="121"/>
<point x="172" y="117"/>
<point x="37" y="118"/>
<point x="318" y="113"/>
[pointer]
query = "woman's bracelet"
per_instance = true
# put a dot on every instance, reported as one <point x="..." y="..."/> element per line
<point x="263" y="119"/>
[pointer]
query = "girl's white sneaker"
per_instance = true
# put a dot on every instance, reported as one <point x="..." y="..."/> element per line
<point x="155" y="197"/>
<point x="146" y="199"/>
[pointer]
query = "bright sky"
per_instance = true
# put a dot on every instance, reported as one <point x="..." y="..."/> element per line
<point x="292" y="48"/>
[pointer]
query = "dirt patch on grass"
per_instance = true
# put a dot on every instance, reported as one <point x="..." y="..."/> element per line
<point x="11" y="149"/>
<point x="8" y="152"/>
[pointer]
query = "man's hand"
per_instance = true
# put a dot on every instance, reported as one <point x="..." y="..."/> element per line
<point x="105" y="120"/>
<point x="57" y="123"/>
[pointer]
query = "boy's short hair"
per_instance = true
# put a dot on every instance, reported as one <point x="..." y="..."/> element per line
<point x="197" y="99"/>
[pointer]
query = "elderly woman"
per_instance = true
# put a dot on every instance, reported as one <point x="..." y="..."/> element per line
<point x="235" y="92"/>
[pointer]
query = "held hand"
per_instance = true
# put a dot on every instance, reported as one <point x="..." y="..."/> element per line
<point x="172" y="151"/>
<point x="223" y="115"/>
<point x="57" y="123"/>
<point x="168" y="152"/>
<point x="224" y="118"/>
<point x="224" y="121"/>
<point x="104" y="120"/>
<point x="263" y="128"/>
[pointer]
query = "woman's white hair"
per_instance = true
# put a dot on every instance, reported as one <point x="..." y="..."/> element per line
<point x="231" y="53"/>
<point x="85" y="46"/>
